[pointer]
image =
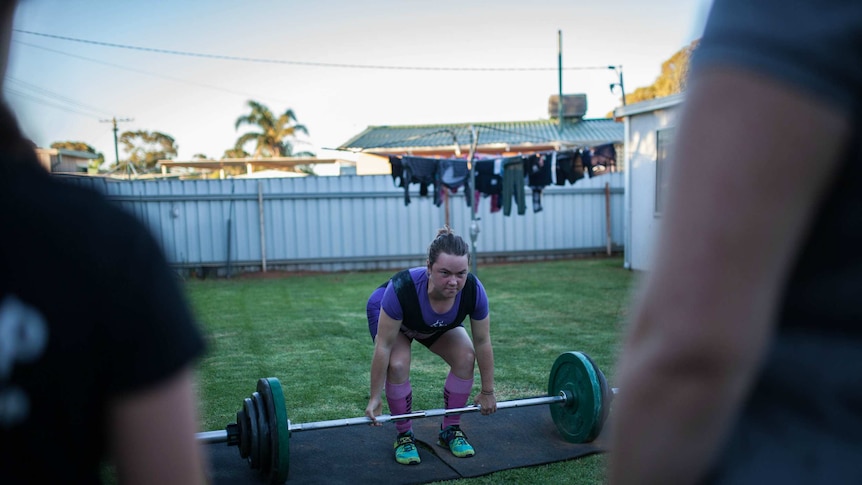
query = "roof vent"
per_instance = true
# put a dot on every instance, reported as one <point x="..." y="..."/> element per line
<point x="574" y="106"/>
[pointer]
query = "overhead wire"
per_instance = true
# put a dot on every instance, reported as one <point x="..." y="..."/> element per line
<point x="301" y="63"/>
<point x="57" y="97"/>
<point x="140" y="71"/>
<point x="280" y="61"/>
<point x="46" y="103"/>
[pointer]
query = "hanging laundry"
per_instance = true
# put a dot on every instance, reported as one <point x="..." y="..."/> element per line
<point x="570" y="167"/>
<point x="604" y="158"/>
<point x="587" y="160"/>
<point x="538" y="166"/>
<point x="489" y="181"/>
<point x="397" y="170"/>
<point x="513" y="185"/>
<point x="453" y="174"/>
<point x="422" y="171"/>
<point x="489" y="176"/>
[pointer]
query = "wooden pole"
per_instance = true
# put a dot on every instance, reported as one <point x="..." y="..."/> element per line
<point x="262" y="230"/>
<point x="446" y="203"/>
<point x="474" y="218"/>
<point x="608" y="216"/>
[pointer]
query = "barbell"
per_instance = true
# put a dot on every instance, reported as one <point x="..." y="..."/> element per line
<point x="578" y="396"/>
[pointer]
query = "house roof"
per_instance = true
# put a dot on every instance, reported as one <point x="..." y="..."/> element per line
<point x="67" y="153"/>
<point x="501" y="136"/>
<point x="650" y="105"/>
<point x="277" y="163"/>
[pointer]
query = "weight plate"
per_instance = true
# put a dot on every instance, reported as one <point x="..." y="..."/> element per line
<point x="263" y="433"/>
<point x="253" y="456"/>
<point x="578" y="421"/>
<point x="606" y="396"/>
<point x="273" y="397"/>
<point x="242" y="432"/>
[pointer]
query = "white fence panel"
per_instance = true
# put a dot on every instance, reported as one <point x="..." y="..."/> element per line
<point x="355" y="222"/>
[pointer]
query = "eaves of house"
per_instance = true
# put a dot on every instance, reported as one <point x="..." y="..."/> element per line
<point x="493" y="137"/>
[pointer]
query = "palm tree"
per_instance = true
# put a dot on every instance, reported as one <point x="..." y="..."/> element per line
<point x="274" y="135"/>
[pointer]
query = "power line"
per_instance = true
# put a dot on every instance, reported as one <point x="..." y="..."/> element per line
<point x="59" y="97"/>
<point x="140" y="71"/>
<point x="303" y="63"/>
<point x="46" y="103"/>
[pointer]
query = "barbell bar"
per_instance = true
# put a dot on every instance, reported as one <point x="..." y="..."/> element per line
<point x="578" y="396"/>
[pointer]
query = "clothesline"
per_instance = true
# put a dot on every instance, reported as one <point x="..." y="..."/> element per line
<point x="502" y="179"/>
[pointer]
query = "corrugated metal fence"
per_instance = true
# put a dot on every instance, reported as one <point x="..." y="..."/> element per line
<point x="355" y="222"/>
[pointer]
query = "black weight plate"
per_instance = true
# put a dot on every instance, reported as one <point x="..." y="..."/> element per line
<point x="263" y="433"/>
<point x="242" y="432"/>
<point x="254" y="434"/>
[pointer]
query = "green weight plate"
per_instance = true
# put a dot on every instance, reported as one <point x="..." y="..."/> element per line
<point x="273" y="398"/>
<point x="606" y="396"/>
<point x="579" y="420"/>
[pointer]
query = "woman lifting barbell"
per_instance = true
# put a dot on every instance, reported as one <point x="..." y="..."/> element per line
<point x="428" y="304"/>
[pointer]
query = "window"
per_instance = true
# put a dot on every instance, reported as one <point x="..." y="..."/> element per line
<point x="664" y="144"/>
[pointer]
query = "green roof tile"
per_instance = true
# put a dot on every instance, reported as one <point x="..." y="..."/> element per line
<point x="585" y="132"/>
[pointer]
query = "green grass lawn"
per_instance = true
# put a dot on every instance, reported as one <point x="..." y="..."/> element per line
<point x="310" y="331"/>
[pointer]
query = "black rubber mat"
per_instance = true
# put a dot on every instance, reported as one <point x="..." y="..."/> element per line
<point x="511" y="438"/>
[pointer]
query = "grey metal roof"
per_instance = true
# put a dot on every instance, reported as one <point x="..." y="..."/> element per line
<point x="650" y="105"/>
<point x="584" y="132"/>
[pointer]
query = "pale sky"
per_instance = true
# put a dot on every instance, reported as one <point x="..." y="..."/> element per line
<point x="63" y="89"/>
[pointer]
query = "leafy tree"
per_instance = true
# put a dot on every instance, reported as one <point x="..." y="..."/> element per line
<point x="80" y="146"/>
<point x="145" y="148"/>
<point x="274" y="134"/>
<point x="672" y="80"/>
<point x="674" y="72"/>
<point x="236" y="153"/>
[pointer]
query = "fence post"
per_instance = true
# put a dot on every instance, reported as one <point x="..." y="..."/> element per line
<point x="608" y="217"/>
<point x="262" y="230"/>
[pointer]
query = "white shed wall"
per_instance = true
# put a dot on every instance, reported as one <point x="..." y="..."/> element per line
<point x="641" y="160"/>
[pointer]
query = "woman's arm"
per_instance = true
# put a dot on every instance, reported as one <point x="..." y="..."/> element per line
<point x="153" y="434"/>
<point x="481" y="330"/>
<point x="387" y="332"/>
<point x="743" y="194"/>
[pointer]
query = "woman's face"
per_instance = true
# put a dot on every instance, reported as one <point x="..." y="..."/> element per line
<point x="446" y="277"/>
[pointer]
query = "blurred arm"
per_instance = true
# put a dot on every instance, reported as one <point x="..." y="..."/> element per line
<point x="153" y="435"/>
<point x="742" y="195"/>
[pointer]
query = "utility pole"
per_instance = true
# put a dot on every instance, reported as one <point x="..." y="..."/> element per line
<point x="560" y="78"/>
<point x="619" y="71"/>
<point x="114" y="120"/>
<point x="474" y="218"/>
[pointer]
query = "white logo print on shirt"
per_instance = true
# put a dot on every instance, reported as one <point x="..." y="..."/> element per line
<point x="23" y="337"/>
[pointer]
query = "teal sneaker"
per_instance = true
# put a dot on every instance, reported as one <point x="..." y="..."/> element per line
<point x="405" y="449"/>
<point x="453" y="438"/>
